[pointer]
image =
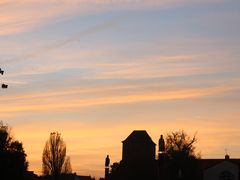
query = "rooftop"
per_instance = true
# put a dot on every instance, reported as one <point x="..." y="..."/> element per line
<point x="139" y="136"/>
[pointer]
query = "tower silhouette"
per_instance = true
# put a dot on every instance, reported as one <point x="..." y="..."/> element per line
<point x="161" y="148"/>
<point x="138" y="158"/>
<point x="107" y="162"/>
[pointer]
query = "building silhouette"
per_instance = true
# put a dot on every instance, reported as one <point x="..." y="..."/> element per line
<point x="138" y="159"/>
<point x="139" y="162"/>
<point x="73" y="176"/>
<point x="139" y="147"/>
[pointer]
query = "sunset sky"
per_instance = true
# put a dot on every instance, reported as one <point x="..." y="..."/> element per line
<point x="95" y="70"/>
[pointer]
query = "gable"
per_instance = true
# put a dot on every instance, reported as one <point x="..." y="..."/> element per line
<point x="222" y="170"/>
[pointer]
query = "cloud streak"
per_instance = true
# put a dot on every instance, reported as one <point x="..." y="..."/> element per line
<point x="68" y="100"/>
<point x="21" y="16"/>
<point x="74" y="38"/>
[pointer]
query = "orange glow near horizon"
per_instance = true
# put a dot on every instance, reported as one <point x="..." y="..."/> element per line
<point x="88" y="144"/>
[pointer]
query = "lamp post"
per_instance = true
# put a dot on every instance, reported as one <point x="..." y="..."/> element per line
<point x="4" y="86"/>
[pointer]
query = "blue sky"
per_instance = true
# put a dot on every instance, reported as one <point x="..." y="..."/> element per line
<point x="96" y="70"/>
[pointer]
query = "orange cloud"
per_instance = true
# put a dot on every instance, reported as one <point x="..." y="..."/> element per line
<point x="61" y="100"/>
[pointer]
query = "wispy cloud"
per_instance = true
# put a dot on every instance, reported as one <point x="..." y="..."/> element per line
<point x="20" y="16"/>
<point x="61" y="43"/>
<point x="136" y="69"/>
<point x="97" y="66"/>
<point x="74" y="99"/>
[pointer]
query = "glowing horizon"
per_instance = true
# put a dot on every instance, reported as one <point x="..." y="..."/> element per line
<point x="97" y="70"/>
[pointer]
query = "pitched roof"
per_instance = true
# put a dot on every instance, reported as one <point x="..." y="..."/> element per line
<point x="208" y="163"/>
<point x="139" y="136"/>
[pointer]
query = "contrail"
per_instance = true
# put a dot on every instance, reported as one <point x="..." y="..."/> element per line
<point x="74" y="38"/>
<point x="84" y="33"/>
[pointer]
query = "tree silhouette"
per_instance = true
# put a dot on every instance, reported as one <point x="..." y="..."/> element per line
<point x="180" y="142"/>
<point x="54" y="157"/>
<point x="182" y="156"/>
<point x="67" y="168"/>
<point x="13" y="164"/>
<point x="4" y="86"/>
